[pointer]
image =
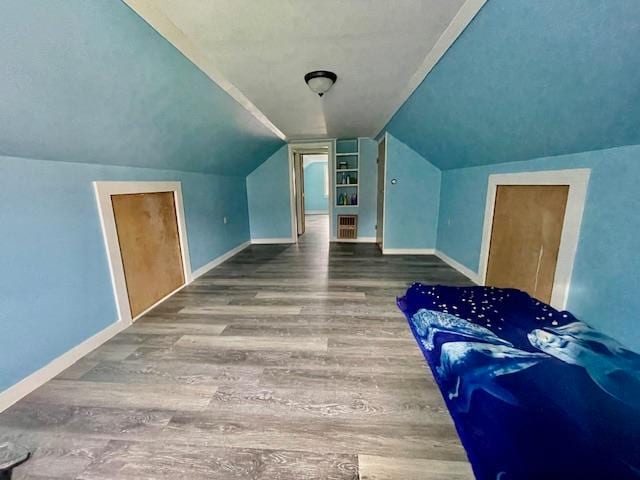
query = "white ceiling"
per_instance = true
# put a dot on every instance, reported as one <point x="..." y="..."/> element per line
<point x="380" y="50"/>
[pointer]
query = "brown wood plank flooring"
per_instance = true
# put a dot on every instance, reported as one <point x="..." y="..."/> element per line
<point x="286" y="362"/>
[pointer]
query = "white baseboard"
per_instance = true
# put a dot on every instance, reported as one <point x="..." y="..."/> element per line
<point x="268" y="241"/>
<point x="64" y="361"/>
<point x="467" y="272"/>
<point x="316" y="212"/>
<point x="56" y="366"/>
<point x="408" y="251"/>
<point x="217" y="261"/>
<point x="166" y="297"/>
<point x="355" y="240"/>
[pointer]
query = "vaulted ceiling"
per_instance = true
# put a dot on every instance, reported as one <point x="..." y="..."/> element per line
<point x="92" y="82"/>
<point x="529" y="79"/>
<point x="379" y="49"/>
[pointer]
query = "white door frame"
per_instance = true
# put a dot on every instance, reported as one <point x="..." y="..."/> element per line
<point x="384" y="137"/>
<point x="577" y="180"/>
<point x="330" y="145"/>
<point x="104" y="191"/>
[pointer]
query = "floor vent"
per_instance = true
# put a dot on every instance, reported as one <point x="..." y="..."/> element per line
<point x="347" y="227"/>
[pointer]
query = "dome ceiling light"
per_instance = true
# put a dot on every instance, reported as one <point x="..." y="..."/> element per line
<point x="320" y="81"/>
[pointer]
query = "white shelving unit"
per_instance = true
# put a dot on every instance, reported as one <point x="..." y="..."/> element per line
<point x="347" y="192"/>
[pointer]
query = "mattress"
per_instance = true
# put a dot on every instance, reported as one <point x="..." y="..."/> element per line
<point x="534" y="392"/>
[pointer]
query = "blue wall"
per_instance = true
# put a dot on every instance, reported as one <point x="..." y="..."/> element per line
<point x="411" y="206"/>
<point x="548" y="84"/>
<point x="90" y="81"/>
<point x="55" y="285"/>
<point x="268" y="197"/>
<point x="529" y="79"/>
<point x="315" y="184"/>
<point x="605" y="276"/>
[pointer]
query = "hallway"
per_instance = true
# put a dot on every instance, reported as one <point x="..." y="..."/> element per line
<point x="285" y="362"/>
<point x="316" y="230"/>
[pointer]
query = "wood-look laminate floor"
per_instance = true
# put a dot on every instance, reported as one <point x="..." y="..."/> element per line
<point x="286" y="362"/>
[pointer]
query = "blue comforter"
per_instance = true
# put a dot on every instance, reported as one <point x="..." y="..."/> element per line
<point x="534" y="393"/>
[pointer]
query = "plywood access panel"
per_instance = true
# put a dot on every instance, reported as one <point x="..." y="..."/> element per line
<point x="525" y="238"/>
<point x="149" y="242"/>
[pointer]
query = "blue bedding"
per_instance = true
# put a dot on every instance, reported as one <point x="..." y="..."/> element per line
<point x="534" y="393"/>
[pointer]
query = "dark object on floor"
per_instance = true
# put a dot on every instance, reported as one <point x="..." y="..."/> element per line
<point x="534" y="392"/>
<point x="11" y="455"/>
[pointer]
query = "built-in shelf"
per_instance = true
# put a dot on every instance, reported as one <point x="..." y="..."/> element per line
<point x="347" y="169"/>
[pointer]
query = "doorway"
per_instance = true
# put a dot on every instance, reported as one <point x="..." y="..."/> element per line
<point x="311" y="189"/>
<point x="531" y="231"/>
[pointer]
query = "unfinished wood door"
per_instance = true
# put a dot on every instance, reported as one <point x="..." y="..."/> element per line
<point x="149" y="242"/>
<point x="380" y="213"/>
<point x="525" y="237"/>
<point x="299" y="184"/>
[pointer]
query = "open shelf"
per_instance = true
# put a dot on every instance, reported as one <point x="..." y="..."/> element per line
<point x="347" y="169"/>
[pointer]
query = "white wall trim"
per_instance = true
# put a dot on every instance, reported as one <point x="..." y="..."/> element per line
<point x="28" y="384"/>
<point x="159" y="21"/>
<point x="408" y="251"/>
<point x="217" y="261"/>
<point x="332" y="186"/>
<point x="271" y="241"/>
<point x="467" y="272"/>
<point x="104" y="191"/>
<point x="384" y="137"/>
<point x="292" y="197"/>
<point x="354" y="240"/>
<point x="578" y="180"/>
<point x="467" y="12"/>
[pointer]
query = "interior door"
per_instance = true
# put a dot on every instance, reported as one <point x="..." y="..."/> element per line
<point x="149" y="242"/>
<point x="380" y="214"/>
<point x="525" y="238"/>
<point x="299" y="182"/>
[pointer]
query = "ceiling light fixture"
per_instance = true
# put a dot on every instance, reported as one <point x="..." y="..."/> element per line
<point x="320" y="81"/>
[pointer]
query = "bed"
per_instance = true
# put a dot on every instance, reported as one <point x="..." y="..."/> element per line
<point x="534" y="393"/>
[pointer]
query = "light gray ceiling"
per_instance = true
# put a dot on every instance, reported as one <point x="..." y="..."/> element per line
<point x="263" y="48"/>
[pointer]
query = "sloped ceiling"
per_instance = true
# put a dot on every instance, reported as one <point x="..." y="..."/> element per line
<point x="90" y="81"/>
<point x="529" y="79"/>
<point x="265" y="47"/>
